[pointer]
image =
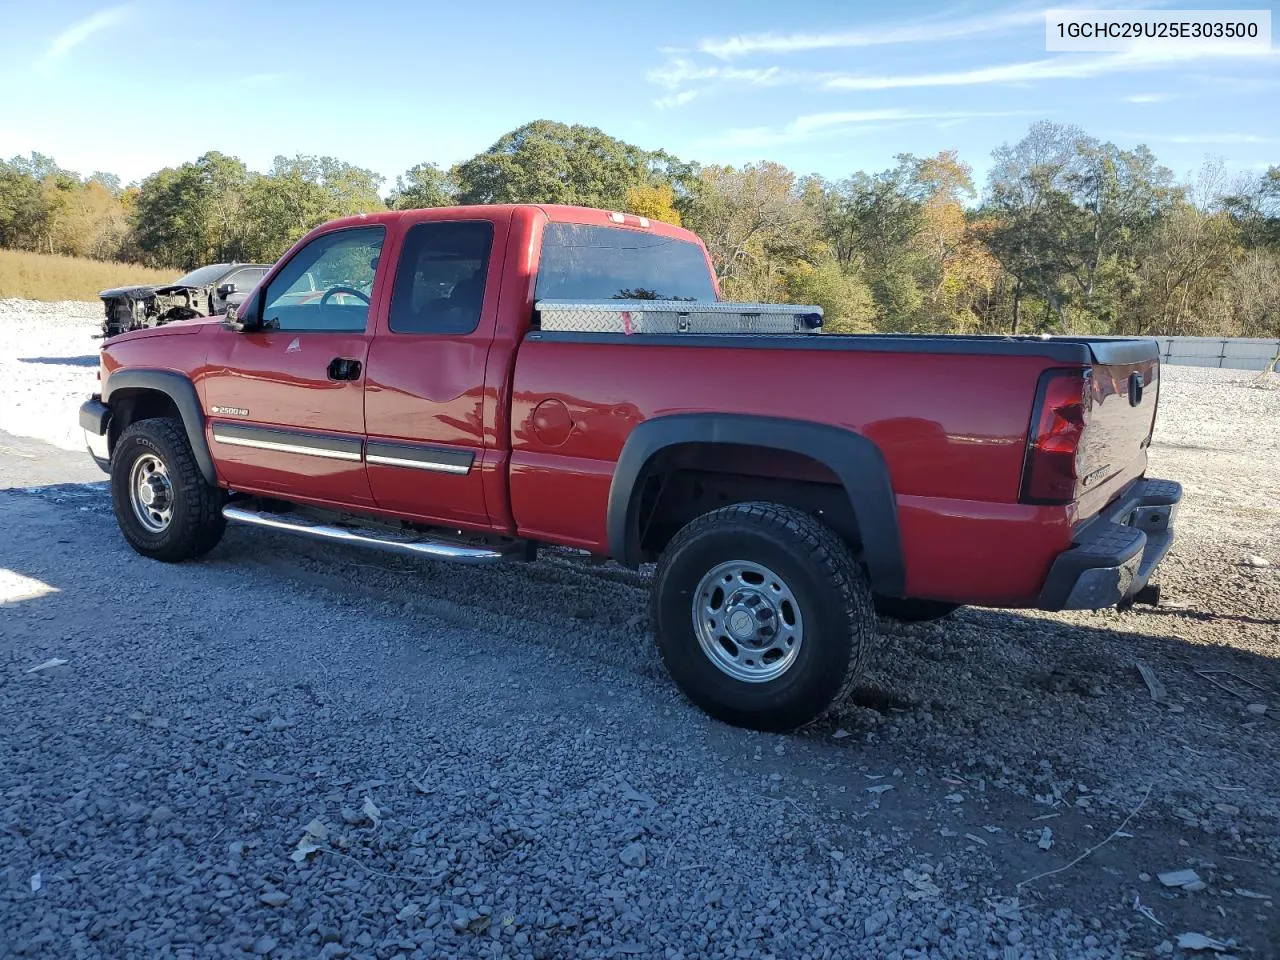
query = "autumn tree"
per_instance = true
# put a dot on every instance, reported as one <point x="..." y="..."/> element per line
<point x="87" y="222"/>
<point x="656" y="201"/>
<point x="753" y="223"/>
<point x="958" y="274"/>
<point x="1188" y="256"/>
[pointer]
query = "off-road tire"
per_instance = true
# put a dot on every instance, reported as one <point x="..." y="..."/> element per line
<point x="830" y="589"/>
<point x="197" y="523"/>
<point x="910" y="610"/>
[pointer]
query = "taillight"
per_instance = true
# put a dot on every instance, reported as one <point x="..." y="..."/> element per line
<point x="1055" y="444"/>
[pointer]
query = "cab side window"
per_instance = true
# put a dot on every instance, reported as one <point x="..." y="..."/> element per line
<point x="327" y="285"/>
<point x="441" y="277"/>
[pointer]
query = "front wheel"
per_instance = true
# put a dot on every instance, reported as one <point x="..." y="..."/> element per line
<point x="163" y="505"/>
<point x="762" y="615"/>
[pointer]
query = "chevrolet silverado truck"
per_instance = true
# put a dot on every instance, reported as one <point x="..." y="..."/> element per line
<point x="473" y="383"/>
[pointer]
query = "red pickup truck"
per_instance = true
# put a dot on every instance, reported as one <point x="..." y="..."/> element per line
<point x="470" y="383"/>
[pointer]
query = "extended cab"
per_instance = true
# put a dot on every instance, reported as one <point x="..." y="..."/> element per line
<point x="470" y="383"/>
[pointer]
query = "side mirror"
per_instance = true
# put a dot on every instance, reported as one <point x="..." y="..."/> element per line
<point x="226" y="290"/>
<point x="244" y="317"/>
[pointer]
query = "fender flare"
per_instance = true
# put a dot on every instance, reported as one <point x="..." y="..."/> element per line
<point x="182" y="392"/>
<point x="853" y="458"/>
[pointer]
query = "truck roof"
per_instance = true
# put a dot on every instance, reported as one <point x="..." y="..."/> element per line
<point x="555" y="212"/>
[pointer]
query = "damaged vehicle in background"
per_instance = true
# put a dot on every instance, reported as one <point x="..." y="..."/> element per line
<point x="204" y="292"/>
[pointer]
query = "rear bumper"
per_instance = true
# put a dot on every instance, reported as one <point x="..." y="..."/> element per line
<point x="1115" y="554"/>
<point x="95" y="417"/>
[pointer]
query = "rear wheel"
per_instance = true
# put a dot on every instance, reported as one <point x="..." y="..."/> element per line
<point x="910" y="610"/>
<point x="163" y="505"/>
<point x="762" y="615"/>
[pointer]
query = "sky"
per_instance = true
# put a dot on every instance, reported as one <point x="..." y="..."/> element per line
<point x="824" y="87"/>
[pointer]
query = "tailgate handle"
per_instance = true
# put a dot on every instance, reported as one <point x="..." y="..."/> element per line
<point x="1136" y="386"/>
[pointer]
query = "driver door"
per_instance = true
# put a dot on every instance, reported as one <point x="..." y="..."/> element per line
<point x="285" y="403"/>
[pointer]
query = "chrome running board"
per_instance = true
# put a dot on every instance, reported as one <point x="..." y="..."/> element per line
<point x="414" y="545"/>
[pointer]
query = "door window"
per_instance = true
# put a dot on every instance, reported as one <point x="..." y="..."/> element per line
<point x="327" y="285"/>
<point x="440" y="281"/>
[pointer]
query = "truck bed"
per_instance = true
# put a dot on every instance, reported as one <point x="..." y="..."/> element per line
<point x="1106" y="350"/>
<point x="950" y="415"/>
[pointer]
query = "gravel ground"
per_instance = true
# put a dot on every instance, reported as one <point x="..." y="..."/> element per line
<point x="290" y="750"/>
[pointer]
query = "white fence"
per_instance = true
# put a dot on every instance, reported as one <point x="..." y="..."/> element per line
<point x="1232" y="353"/>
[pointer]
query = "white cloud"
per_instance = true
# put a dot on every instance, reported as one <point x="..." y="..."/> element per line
<point x="1208" y="138"/>
<point x="676" y="73"/>
<point x="1055" y="68"/>
<point x="912" y="31"/>
<point x="1147" y="98"/>
<point x="82" y="30"/>
<point x="845" y="123"/>
<point x="675" y="100"/>
<point x="822" y="121"/>
<point x="951" y="25"/>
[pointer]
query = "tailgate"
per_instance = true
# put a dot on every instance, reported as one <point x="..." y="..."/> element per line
<point x="1125" y="391"/>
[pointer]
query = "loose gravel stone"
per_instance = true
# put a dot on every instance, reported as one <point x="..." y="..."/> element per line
<point x="514" y="753"/>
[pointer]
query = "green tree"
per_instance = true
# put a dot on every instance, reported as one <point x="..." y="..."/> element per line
<point x="1255" y="206"/>
<point x="1070" y="214"/>
<point x="298" y="194"/>
<point x="872" y="222"/>
<point x="425" y="185"/>
<point x="22" y="209"/>
<point x="547" y="162"/>
<point x="846" y="301"/>
<point x="192" y="214"/>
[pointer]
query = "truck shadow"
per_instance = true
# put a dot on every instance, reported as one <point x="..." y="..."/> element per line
<point x="85" y="361"/>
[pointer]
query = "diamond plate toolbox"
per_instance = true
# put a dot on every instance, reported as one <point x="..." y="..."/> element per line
<point x="639" y="317"/>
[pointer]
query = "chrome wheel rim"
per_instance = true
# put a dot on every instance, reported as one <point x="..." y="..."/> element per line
<point x="151" y="493"/>
<point x="747" y="621"/>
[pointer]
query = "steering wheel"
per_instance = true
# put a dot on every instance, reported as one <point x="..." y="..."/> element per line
<point x="341" y="289"/>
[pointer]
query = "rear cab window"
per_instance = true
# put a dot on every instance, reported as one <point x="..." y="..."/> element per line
<point x="593" y="263"/>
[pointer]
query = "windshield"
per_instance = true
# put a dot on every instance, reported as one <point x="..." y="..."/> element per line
<point x="201" y="276"/>
<point x="608" y="263"/>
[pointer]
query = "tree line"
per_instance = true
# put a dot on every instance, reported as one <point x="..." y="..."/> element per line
<point x="1068" y="234"/>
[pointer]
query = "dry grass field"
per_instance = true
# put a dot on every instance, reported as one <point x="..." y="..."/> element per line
<point x="43" y="276"/>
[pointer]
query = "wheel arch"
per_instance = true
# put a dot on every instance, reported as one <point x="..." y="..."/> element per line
<point x="854" y="461"/>
<point x="137" y="394"/>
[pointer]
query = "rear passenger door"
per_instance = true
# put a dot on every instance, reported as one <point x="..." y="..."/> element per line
<point x="425" y="389"/>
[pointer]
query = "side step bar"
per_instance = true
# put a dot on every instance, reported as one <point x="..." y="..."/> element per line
<point x="363" y="537"/>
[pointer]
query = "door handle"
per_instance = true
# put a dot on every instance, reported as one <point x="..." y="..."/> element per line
<point x="343" y="368"/>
